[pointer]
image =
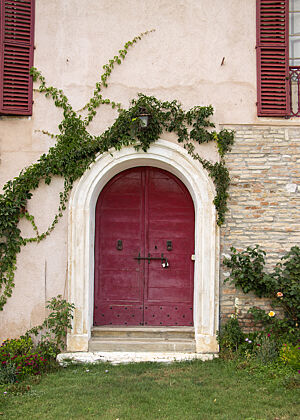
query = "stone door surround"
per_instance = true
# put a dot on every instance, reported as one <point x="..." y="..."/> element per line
<point x="81" y="229"/>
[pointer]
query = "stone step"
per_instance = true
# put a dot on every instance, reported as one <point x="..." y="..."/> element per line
<point x="152" y="345"/>
<point x="142" y="339"/>
<point x="164" y="333"/>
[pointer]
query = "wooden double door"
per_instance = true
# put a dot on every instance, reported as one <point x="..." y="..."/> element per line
<point x="144" y="241"/>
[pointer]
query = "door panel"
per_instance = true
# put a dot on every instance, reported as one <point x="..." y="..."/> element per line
<point x="144" y="208"/>
<point x="118" y="279"/>
<point x="170" y="218"/>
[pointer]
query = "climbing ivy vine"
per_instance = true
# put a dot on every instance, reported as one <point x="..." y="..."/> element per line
<point x="75" y="149"/>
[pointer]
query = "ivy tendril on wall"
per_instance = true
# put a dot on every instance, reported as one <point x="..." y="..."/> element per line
<point x="76" y="149"/>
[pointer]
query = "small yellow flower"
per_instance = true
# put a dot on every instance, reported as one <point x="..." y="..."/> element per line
<point x="271" y="313"/>
<point x="279" y="294"/>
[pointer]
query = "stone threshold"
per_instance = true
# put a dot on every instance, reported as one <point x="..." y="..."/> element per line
<point x="116" y="358"/>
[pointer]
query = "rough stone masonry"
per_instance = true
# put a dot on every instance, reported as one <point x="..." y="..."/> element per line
<point x="264" y="203"/>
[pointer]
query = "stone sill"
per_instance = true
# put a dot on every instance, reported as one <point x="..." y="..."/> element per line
<point x="115" y="358"/>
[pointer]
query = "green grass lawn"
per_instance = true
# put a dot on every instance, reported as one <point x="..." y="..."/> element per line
<point x="189" y="390"/>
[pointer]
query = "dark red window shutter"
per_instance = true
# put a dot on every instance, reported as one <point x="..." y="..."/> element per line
<point x="272" y="58"/>
<point x="16" y="49"/>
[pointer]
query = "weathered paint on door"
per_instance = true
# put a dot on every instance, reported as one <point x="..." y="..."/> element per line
<point x="141" y="214"/>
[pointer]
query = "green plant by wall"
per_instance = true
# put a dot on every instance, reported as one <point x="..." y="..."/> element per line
<point x="19" y="358"/>
<point x="231" y="336"/>
<point x="53" y="330"/>
<point x="76" y="149"/>
<point x="247" y="272"/>
<point x="290" y="355"/>
<point x="36" y="350"/>
<point x="267" y="351"/>
<point x="8" y="373"/>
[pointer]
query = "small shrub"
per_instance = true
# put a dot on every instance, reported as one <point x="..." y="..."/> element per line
<point x="48" y="349"/>
<point x="282" y="330"/>
<point x="22" y="357"/>
<point x="290" y="355"/>
<point x="8" y="373"/>
<point x="54" y="328"/>
<point x="282" y="285"/>
<point x="15" y="347"/>
<point x="18" y="358"/>
<point x="31" y="364"/>
<point x="247" y="270"/>
<point x="249" y="345"/>
<point x="231" y="335"/>
<point x="286" y="277"/>
<point x="267" y="351"/>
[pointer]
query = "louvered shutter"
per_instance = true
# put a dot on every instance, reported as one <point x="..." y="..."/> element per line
<point x="272" y="58"/>
<point x="17" y="28"/>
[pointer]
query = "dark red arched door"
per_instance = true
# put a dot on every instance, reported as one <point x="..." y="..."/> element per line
<point x="144" y="240"/>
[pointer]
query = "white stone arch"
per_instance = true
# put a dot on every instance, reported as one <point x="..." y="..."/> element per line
<point x="81" y="224"/>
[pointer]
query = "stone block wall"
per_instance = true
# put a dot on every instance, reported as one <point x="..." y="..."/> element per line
<point x="264" y="203"/>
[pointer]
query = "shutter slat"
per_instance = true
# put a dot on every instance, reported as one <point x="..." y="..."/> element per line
<point x="17" y="26"/>
<point x="272" y="58"/>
